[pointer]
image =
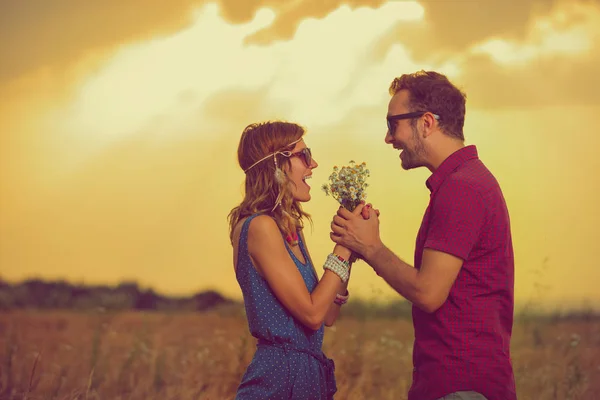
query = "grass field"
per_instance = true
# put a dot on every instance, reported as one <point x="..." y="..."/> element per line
<point x="69" y="355"/>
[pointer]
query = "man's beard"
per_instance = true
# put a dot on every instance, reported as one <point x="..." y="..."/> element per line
<point x="413" y="158"/>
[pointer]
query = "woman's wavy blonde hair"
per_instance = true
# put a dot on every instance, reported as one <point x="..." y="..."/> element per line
<point x="261" y="188"/>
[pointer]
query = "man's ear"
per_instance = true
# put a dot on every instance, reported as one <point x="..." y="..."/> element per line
<point x="429" y="122"/>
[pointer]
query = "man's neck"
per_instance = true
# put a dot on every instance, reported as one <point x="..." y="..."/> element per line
<point x="438" y="155"/>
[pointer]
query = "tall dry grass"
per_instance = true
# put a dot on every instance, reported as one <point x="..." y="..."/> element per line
<point x="68" y="355"/>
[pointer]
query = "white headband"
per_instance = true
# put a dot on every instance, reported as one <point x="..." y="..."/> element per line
<point x="285" y="153"/>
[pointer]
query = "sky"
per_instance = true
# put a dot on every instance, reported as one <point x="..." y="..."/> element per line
<point x="120" y="121"/>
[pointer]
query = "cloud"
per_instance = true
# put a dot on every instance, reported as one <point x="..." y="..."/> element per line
<point x="568" y="31"/>
<point x="541" y="53"/>
<point x="552" y="64"/>
<point x="451" y="27"/>
<point x="165" y="83"/>
<point x="290" y="16"/>
<point x="458" y="25"/>
<point x="54" y="34"/>
<point x="38" y="34"/>
<point x="186" y="85"/>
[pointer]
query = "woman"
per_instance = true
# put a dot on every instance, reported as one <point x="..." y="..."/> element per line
<point x="286" y="304"/>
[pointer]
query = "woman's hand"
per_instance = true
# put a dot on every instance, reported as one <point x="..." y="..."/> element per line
<point x="365" y="211"/>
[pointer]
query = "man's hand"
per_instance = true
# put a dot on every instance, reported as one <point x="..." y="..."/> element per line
<point x="359" y="233"/>
<point x="343" y="251"/>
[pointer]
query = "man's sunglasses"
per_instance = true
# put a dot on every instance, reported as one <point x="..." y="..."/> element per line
<point x="415" y="114"/>
<point x="304" y="153"/>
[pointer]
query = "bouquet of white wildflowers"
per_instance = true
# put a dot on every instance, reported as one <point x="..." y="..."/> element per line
<point x="348" y="184"/>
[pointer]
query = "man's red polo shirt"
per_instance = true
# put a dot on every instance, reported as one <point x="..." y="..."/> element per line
<point x="465" y="345"/>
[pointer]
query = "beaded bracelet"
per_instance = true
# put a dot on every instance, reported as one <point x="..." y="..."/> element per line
<point x="347" y="263"/>
<point x="342" y="259"/>
<point x="338" y="267"/>
<point x="341" y="299"/>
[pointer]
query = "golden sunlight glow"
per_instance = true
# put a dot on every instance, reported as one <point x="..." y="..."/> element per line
<point x="156" y="78"/>
<point x="173" y="77"/>
<point x="125" y="168"/>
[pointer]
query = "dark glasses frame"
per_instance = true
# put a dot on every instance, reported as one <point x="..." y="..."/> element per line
<point x="305" y="153"/>
<point x="414" y="114"/>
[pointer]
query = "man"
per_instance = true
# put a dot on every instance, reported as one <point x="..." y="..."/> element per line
<point x="462" y="284"/>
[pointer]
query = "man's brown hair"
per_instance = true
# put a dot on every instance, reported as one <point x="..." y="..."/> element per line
<point x="433" y="92"/>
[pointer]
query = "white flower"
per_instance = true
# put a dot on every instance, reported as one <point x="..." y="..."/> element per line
<point x="347" y="184"/>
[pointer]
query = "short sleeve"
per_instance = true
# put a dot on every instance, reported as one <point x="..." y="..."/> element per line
<point x="457" y="218"/>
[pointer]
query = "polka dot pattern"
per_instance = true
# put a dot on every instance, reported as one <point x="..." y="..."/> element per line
<point x="288" y="362"/>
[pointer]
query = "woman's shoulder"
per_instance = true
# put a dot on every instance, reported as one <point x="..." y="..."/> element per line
<point x="262" y="224"/>
<point x="258" y="222"/>
<point x="259" y="226"/>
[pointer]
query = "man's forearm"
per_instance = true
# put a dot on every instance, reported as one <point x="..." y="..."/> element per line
<point x="402" y="277"/>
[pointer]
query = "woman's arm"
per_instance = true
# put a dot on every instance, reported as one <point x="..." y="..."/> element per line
<point x="274" y="264"/>
<point x="334" y="309"/>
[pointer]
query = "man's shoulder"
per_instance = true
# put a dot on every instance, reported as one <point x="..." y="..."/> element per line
<point x="466" y="188"/>
<point x="473" y="175"/>
<point x="462" y="181"/>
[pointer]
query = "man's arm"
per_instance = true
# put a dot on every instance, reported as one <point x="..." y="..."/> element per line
<point x="427" y="288"/>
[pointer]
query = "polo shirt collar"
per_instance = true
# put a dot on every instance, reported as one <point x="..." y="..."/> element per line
<point x="447" y="166"/>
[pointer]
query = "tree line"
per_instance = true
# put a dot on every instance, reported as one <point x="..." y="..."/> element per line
<point x="39" y="294"/>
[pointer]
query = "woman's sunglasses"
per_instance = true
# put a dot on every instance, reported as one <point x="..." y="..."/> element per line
<point x="305" y="154"/>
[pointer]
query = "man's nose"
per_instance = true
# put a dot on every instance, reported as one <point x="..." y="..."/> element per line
<point x="388" y="137"/>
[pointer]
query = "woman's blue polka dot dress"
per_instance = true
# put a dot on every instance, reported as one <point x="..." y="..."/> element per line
<point x="288" y="362"/>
